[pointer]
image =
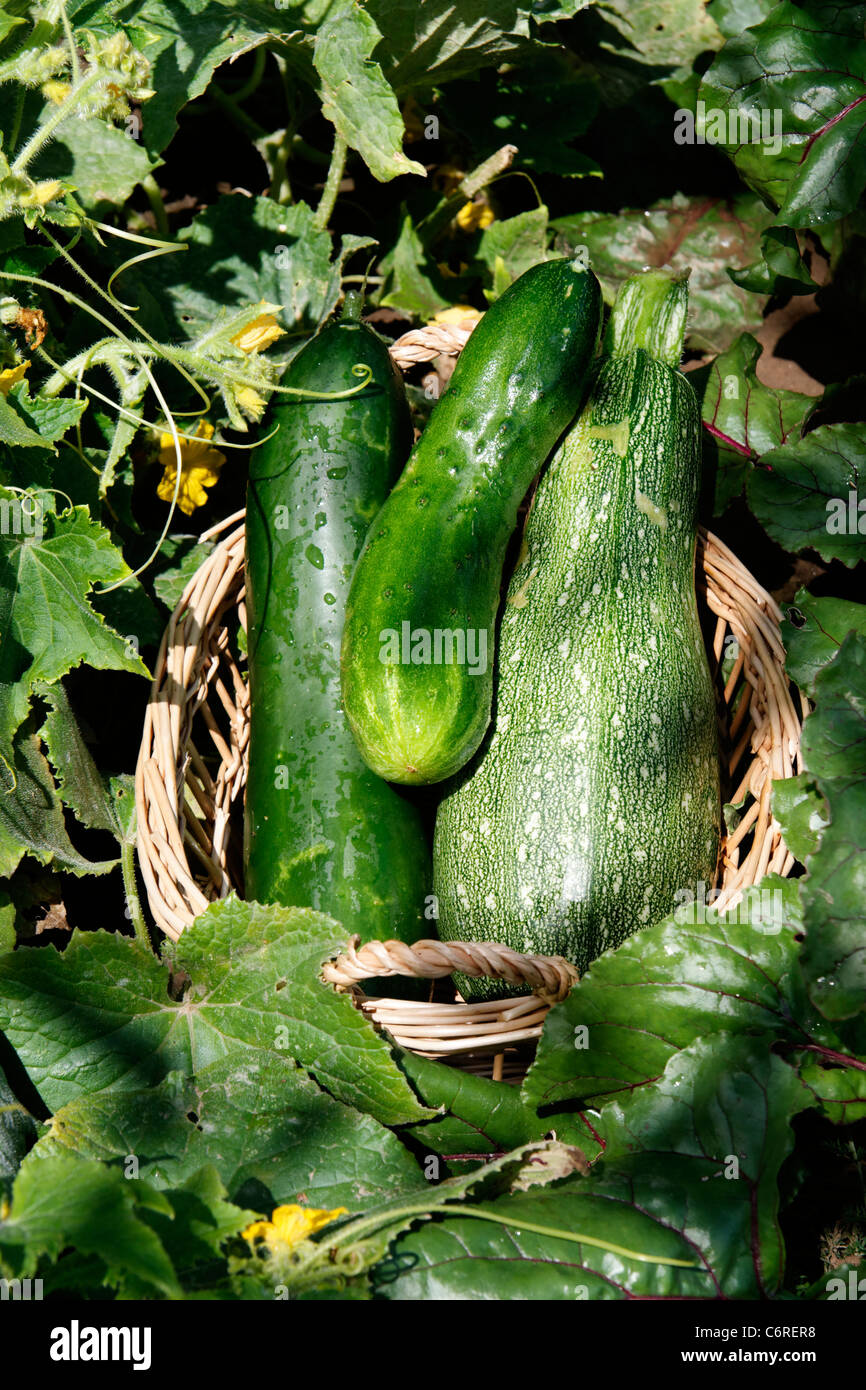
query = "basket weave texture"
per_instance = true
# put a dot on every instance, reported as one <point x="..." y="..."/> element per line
<point x="192" y="770"/>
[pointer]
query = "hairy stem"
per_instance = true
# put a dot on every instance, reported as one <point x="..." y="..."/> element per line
<point x="44" y="132"/>
<point x="133" y="902"/>
<point x="332" y="182"/>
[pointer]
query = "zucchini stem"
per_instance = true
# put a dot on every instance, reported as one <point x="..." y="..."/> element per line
<point x="650" y="313"/>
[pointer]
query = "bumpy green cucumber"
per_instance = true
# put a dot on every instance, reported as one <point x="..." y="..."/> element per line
<point x="418" y="644"/>
<point x="322" y="830"/>
<point x="596" y="795"/>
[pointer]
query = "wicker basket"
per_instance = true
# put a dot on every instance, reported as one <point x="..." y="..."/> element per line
<point x="193" y="761"/>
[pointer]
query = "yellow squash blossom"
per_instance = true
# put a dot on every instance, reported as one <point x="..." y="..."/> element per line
<point x="259" y="334"/>
<point x="289" y="1226"/>
<point x="200" y="468"/>
<point x="456" y="314"/>
<point x="250" y="402"/>
<point x="56" y="91"/>
<point x="475" y="216"/>
<point x="10" y="375"/>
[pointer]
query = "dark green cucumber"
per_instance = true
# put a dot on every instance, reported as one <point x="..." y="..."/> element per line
<point x="596" y="796"/>
<point x="419" y="639"/>
<point x="321" y="829"/>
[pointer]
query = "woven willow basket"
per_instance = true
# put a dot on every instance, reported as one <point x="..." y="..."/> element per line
<point x="192" y="771"/>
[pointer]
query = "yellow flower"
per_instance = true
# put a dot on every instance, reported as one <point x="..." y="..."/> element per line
<point x="9" y="376"/>
<point x="473" y="216"/>
<point x="250" y="402"/>
<point x="289" y="1226"/>
<point x="41" y="194"/>
<point x="456" y="314"/>
<point x="56" y="91"/>
<point x="200" y="468"/>
<point x="259" y="334"/>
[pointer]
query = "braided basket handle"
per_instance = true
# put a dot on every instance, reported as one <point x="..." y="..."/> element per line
<point x="549" y="977"/>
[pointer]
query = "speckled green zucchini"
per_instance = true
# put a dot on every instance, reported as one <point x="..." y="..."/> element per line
<point x="595" y="796"/>
<point x="418" y="645"/>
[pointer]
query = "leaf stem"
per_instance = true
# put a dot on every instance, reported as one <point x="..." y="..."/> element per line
<point x="130" y="887"/>
<point x="255" y="77"/>
<point x="351" y="1232"/>
<point x="322" y="215"/>
<point x="840" y="1058"/>
<point x="44" y="132"/>
<point x="575" y="1236"/>
<point x="157" y="206"/>
<point x="234" y="112"/>
<point x="70" y="39"/>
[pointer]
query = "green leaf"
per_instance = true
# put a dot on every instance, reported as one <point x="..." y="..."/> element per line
<point x="693" y="978"/>
<point x="805" y="493"/>
<point x="99" y="161"/>
<point x="198" y="1224"/>
<point x="181" y="556"/>
<point x="80" y="783"/>
<point x="47" y="624"/>
<point x="60" y="1202"/>
<point x="31" y="814"/>
<point x="186" y="40"/>
<point x="17" y="1134"/>
<point x="267" y="960"/>
<point x="662" y="33"/>
<point x="814" y="630"/>
<point x="105" y="1020"/>
<point x="356" y="97"/>
<point x="704" y="234"/>
<point x="545" y="1244"/>
<point x="13" y="430"/>
<point x="240" y="251"/>
<point x="780" y="270"/>
<point x="721" y="1116"/>
<point x="51" y="417"/>
<point x="349" y="1249"/>
<point x="428" y="42"/>
<point x="7" y="922"/>
<point x="834" y="735"/>
<point x="8" y="22"/>
<point x="807" y="64"/>
<point x="801" y="811"/>
<point x="518" y="242"/>
<point x="689" y="1173"/>
<point x="408" y="285"/>
<point x="733" y="16"/>
<point x="834" y="749"/>
<point x="841" y="1091"/>
<point x="744" y="417"/>
<point x="259" y="1120"/>
<point x="481" y="1117"/>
